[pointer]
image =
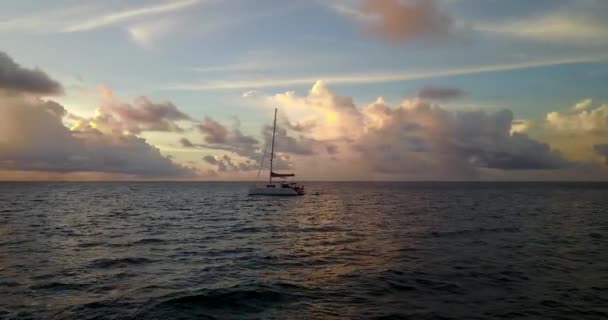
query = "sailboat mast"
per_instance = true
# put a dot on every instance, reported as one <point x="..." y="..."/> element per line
<point x="274" y="127"/>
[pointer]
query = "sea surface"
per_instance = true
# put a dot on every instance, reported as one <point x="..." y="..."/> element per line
<point x="344" y="251"/>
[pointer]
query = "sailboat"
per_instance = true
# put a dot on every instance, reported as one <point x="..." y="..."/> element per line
<point x="274" y="188"/>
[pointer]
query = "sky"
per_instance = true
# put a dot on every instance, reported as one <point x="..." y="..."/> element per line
<point x="365" y="89"/>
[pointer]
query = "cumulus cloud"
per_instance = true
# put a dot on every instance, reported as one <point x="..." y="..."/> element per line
<point x="34" y="139"/>
<point x="149" y="116"/>
<point x="219" y="137"/>
<point x="46" y="145"/>
<point x="301" y="126"/>
<point x="210" y="160"/>
<point x="287" y="143"/>
<point x="582" y="117"/>
<point x="35" y="81"/>
<point x="333" y="115"/>
<point x="216" y="135"/>
<point x="143" y="115"/>
<point x="440" y="93"/>
<point x="581" y="130"/>
<point x="247" y="151"/>
<point x="214" y="131"/>
<point x="415" y="140"/>
<point x="520" y="125"/>
<point x="226" y="164"/>
<point x="400" y="21"/>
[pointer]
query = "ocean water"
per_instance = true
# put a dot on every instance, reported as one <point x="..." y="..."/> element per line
<point x="344" y="251"/>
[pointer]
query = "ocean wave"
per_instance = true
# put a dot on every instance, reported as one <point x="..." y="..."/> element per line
<point x="225" y="303"/>
<point x="119" y="262"/>
<point x="59" y="286"/>
<point x="149" y="241"/>
<point x="466" y="232"/>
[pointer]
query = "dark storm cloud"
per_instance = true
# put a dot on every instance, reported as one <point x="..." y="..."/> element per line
<point x="16" y="78"/>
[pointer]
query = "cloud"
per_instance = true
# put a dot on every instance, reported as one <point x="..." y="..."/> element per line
<point x="416" y="140"/>
<point x="288" y="144"/>
<point x="583" y="117"/>
<point x="332" y="149"/>
<point x="257" y="61"/>
<point x="578" y="130"/>
<point x="186" y="143"/>
<point x="214" y="131"/>
<point x="347" y="9"/>
<point x="569" y="27"/>
<point x="47" y="20"/>
<point x="217" y="136"/>
<point x="440" y="93"/>
<point x="602" y="149"/>
<point x="147" y="34"/>
<point x="520" y="125"/>
<point x="46" y="145"/>
<point x="250" y="94"/>
<point x="35" y="142"/>
<point x="333" y="113"/>
<point x="149" y="116"/>
<point x="15" y="77"/>
<point x="377" y="77"/>
<point x="401" y="21"/>
<point x="301" y="126"/>
<point x="143" y="115"/>
<point x="118" y="17"/>
<point x="210" y="160"/>
<point x="247" y="150"/>
<point x="226" y="164"/>
<point x="87" y="17"/>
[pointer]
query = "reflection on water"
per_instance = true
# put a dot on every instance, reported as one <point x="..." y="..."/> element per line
<point x="356" y="250"/>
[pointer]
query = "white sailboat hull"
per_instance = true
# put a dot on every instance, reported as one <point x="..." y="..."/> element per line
<point x="276" y="189"/>
<point x="271" y="192"/>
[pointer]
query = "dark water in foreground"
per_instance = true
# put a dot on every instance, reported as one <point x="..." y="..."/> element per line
<point x="356" y="251"/>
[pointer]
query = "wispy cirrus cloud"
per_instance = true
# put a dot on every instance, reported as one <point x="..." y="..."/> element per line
<point x="87" y="17"/>
<point x="376" y="77"/>
<point x="121" y="16"/>
<point x="47" y="20"/>
<point x="147" y="34"/>
<point x="264" y="60"/>
<point x="555" y="27"/>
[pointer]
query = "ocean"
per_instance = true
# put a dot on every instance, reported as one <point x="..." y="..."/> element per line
<point x="181" y="250"/>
